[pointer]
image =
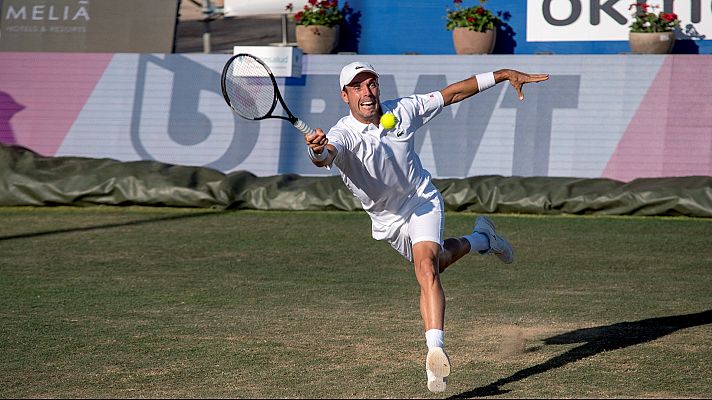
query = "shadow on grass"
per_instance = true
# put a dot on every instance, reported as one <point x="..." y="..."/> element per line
<point x="597" y="340"/>
<point x="107" y="226"/>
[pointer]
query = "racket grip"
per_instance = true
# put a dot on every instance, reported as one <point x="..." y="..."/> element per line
<point x="303" y="127"/>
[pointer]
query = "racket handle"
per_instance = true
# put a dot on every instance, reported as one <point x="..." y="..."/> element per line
<point x="303" y="127"/>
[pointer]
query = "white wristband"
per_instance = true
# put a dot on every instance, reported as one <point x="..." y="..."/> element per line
<point x="485" y="81"/>
<point x="318" y="157"/>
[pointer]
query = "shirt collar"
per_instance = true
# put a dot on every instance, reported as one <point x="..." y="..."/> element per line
<point x="360" y="126"/>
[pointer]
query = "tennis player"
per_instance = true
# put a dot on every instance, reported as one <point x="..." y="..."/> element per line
<point x="382" y="169"/>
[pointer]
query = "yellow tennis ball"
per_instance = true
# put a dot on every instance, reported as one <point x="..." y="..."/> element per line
<point x="388" y="120"/>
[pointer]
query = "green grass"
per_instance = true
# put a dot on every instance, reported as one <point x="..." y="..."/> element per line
<point x="156" y="302"/>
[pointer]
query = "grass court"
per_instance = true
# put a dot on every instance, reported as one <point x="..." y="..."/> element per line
<point x="134" y="302"/>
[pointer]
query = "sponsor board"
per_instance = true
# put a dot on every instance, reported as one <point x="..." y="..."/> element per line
<point x="604" y="20"/>
<point x="87" y="25"/>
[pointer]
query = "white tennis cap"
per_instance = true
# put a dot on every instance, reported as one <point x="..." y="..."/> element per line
<point x="350" y="71"/>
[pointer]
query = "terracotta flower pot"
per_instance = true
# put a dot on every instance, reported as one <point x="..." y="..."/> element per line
<point x="471" y="42"/>
<point x="317" y="39"/>
<point x="651" y="42"/>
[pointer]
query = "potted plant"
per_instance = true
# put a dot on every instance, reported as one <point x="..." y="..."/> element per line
<point x="473" y="28"/>
<point x="650" y="32"/>
<point x="317" y="25"/>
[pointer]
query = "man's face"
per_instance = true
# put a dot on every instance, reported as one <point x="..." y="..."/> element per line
<point x="363" y="97"/>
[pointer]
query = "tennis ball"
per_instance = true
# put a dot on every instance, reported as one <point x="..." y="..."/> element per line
<point x="388" y="120"/>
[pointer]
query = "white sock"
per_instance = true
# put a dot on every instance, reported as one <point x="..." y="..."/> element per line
<point x="435" y="338"/>
<point x="479" y="242"/>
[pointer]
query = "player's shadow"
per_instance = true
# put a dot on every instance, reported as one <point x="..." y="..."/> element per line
<point x="31" y="235"/>
<point x="597" y="340"/>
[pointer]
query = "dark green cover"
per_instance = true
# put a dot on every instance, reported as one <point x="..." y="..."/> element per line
<point x="27" y="178"/>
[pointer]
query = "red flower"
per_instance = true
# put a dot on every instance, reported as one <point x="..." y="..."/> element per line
<point x="668" y="17"/>
<point x="289" y="7"/>
<point x="319" y="12"/>
<point x="479" y="10"/>
<point x="644" y="6"/>
<point x="470" y="19"/>
<point x="457" y="1"/>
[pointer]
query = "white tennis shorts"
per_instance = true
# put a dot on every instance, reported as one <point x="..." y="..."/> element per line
<point x="426" y="223"/>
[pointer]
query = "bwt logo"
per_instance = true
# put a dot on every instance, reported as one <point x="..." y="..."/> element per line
<point x="180" y="116"/>
<point x="72" y="11"/>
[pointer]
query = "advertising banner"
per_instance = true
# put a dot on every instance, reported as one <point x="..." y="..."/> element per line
<point x="601" y="20"/>
<point x="88" y="25"/>
<point x="618" y="117"/>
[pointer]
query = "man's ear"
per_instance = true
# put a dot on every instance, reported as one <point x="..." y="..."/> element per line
<point x="344" y="96"/>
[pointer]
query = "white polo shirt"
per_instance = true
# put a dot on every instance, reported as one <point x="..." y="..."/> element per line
<point x="381" y="167"/>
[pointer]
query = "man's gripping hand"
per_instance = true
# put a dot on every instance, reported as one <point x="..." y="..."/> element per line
<point x="318" y="151"/>
<point x="317" y="141"/>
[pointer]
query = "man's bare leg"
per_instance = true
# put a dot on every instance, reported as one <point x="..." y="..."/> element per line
<point x="483" y="240"/>
<point x="453" y="250"/>
<point x="426" y="256"/>
<point x="432" y="297"/>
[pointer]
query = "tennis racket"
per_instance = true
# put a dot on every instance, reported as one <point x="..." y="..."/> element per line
<point x="251" y="91"/>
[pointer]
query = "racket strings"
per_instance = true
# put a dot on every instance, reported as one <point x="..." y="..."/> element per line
<point x="249" y="88"/>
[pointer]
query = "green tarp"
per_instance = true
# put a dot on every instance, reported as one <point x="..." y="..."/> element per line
<point x="29" y="179"/>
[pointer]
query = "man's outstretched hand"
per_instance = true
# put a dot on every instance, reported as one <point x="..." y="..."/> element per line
<point x="518" y="79"/>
